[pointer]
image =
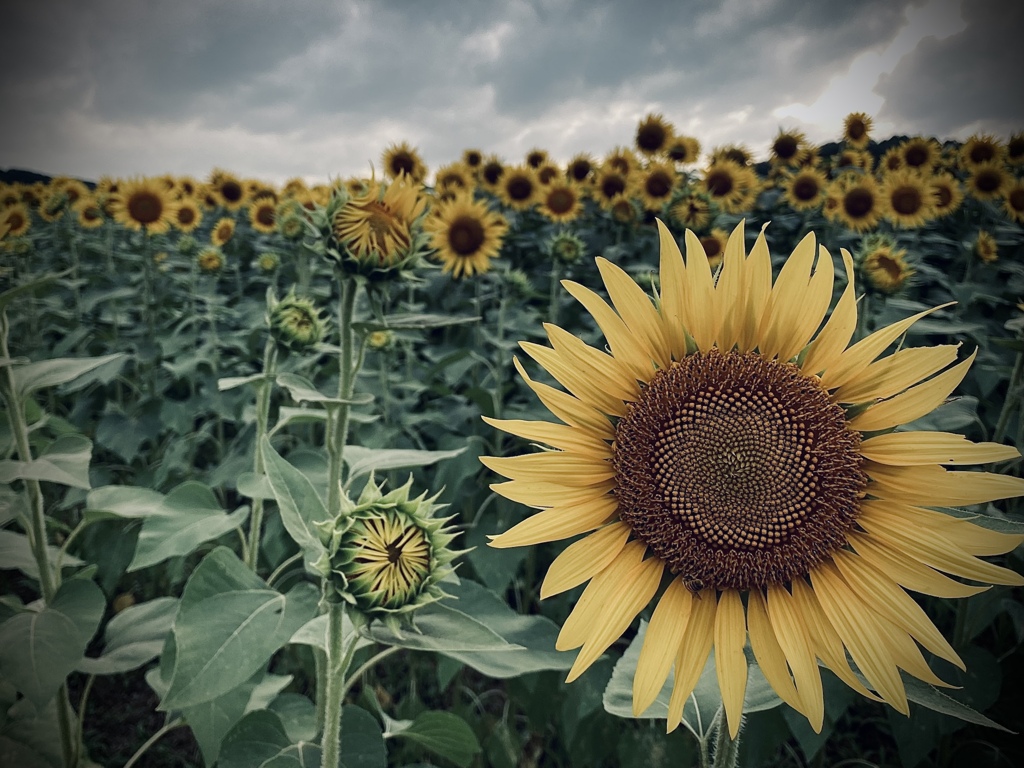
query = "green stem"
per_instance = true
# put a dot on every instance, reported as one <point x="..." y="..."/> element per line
<point x="337" y="417"/>
<point x="369" y="664"/>
<point x="167" y="728"/>
<point x="1012" y="399"/>
<point x="262" y="414"/>
<point x="727" y="749"/>
<point x="553" y="292"/>
<point x="339" y="657"/>
<point x="86" y="690"/>
<point x="862" y="316"/>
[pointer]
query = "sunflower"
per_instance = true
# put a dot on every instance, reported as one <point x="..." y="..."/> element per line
<point x="919" y="153"/>
<point x="208" y="197"/>
<point x="399" y="159"/>
<point x="805" y="189"/>
<point x="853" y="158"/>
<point x="466" y="235"/>
<point x="623" y="209"/>
<point x="491" y="172"/>
<point x="143" y="204"/>
<point x="263" y="214"/>
<point x="622" y="160"/>
<point x="981" y="149"/>
<point x="947" y="193"/>
<point x="683" y="150"/>
<point x="536" y="157"/>
<point x="988" y="181"/>
<point x="609" y="186"/>
<point x="654" y="134"/>
<point x="549" y="172"/>
<point x="376" y="227"/>
<point x="454" y="177"/>
<point x="186" y="186"/>
<point x="883" y="265"/>
<point x="714" y="450"/>
<point x="657" y="184"/>
<point x="10" y="194"/>
<point x="15" y="220"/>
<point x="188" y="215"/>
<point x="892" y="160"/>
<point x="519" y="188"/>
<point x="74" y="189"/>
<point x="857" y="129"/>
<point x="472" y="159"/>
<point x="734" y="153"/>
<point x="714" y="247"/>
<point x="692" y="212"/>
<point x="986" y="248"/>
<point x="228" y="190"/>
<point x="788" y="148"/>
<point x="561" y="201"/>
<point x="1013" y="204"/>
<point x="223" y="231"/>
<point x="729" y="185"/>
<point x="855" y="202"/>
<point x="90" y="214"/>
<point x="580" y="168"/>
<point x="1015" y="149"/>
<point x="908" y="199"/>
<point x="210" y="259"/>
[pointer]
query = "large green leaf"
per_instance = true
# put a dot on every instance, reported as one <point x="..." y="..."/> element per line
<point x="133" y="637"/>
<point x="28" y="735"/>
<point x="64" y="461"/>
<point x="703" y="704"/>
<point x="300" y="504"/>
<point x="220" y="571"/>
<point x="212" y="720"/>
<point x="187" y="517"/>
<point x="302" y="390"/>
<point x="224" y="639"/>
<point x="16" y="553"/>
<point x="123" y="501"/>
<point x="38" y="649"/>
<point x="931" y="697"/>
<point x="49" y="373"/>
<point x="443" y="733"/>
<point x="362" y="743"/>
<point x="255" y="738"/>
<point x="361" y="461"/>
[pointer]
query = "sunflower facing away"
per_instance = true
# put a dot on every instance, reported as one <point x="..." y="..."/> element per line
<point x="735" y="462"/>
<point x="466" y="235"/>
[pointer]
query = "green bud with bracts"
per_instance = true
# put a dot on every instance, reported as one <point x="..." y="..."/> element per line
<point x="294" y="321"/>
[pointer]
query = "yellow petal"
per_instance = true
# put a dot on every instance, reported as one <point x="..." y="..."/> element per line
<point x="856" y="358"/>
<point x="933" y="486"/>
<point x="668" y="624"/>
<point x="552" y="467"/>
<point x="635" y="308"/>
<point x="769" y="654"/>
<point x="700" y="314"/>
<point x="557" y="523"/>
<point x="812" y="310"/>
<point x="568" y="408"/>
<point x="540" y="495"/>
<point x="893" y="374"/>
<point x="730" y="662"/>
<point x="914" y="403"/>
<point x="624" y="345"/>
<point x="891" y="602"/>
<point x="971" y="538"/>
<point x="912" y="448"/>
<point x="791" y="630"/>
<point x="788" y="300"/>
<point x="829" y="345"/>
<point x="729" y="292"/>
<point x="561" y="436"/>
<point x="575" y="380"/>
<point x="857" y="627"/>
<point x="584" y="559"/>
<point x="757" y="283"/>
<point x="907" y="655"/>
<point x="673" y="298"/>
<point x="605" y="369"/>
<point x="906" y="571"/>
<point x="618" y="612"/>
<point x="694" y="648"/>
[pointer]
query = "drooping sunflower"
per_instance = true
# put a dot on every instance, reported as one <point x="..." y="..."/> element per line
<point x="857" y="129"/>
<point x="985" y="247"/>
<point x="15" y="220"/>
<point x="788" y="148"/>
<point x="987" y="181"/>
<point x="143" y="204"/>
<point x="683" y="150"/>
<point x="376" y="227"/>
<point x="908" y="199"/>
<point x="466" y="235"/>
<point x="884" y="265"/>
<point x="654" y="134"/>
<point x="919" y="153"/>
<point x="519" y="188"/>
<point x="561" y="201"/>
<point x="981" y="149"/>
<point x="222" y="231"/>
<point x="730" y="459"/>
<point x="657" y="185"/>
<point x="853" y="158"/>
<point x="399" y="159"/>
<point x="263" y="214"/>
<point x="580" y="168"/>
<point x="947" y="193"/>
<point x="805" y="189"/>
<point x="454" y="177"/>
<point x="1013" y="202"/>
<point x="228" y="190"/>
<point x="855" y="201"/>
<point x="729" y="185"/>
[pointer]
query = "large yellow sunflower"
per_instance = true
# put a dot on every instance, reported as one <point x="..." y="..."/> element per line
<point x="855" y="202"/>
<point x="466" y="235"/>
<point x="919" y="153"/>
<point x="143" y="204"/>
<point x="654" y="134"/>
<point x="657" y="184"/>
<point x="401" y="159"/>
<point x="15" y="219"/>
<point x="376" y="226"/>
<point x="908" y="199"/>
<point x="734" y="459"/>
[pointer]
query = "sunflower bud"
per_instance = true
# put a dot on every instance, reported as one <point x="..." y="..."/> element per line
<point x="211" y="259"/>
<point x="268" y="262"/>
<point x="388" y="553"/>
<point x="567" y="247"/>
<point x="187" y="245"/>
<point x="380" y="339"/>
<point x="295" y="323"/>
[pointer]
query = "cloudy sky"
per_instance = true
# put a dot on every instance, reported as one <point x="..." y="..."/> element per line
<point x="318" y="88"/>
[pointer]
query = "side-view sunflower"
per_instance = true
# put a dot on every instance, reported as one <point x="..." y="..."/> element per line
<point x="908" y="199"/>
<point x="561" y="201"/>
<point x="732" y="463"/>
<point x="399" y="159"/>
<point x="986" y="248"/>
<point x="519" y="188"/>
<point x="947" y="193"/>
<point x="657" y="185"/>
<point x="855" y="202"/>
<point x="736" y="153"/>
<point x="857" y="130"/>
<point x="853" y="158"/>
<point x="653" y="135"/>
<point x="691" y="212"/>
<point x="222" y="231"/>
<point x="466" y="235"/>
<point x="988" y="181"/>
<point x="15" y="220"/>
<point x="263" y="214"/>
<point x="1013" y="203"/>
<point x="714" y="244"/>
<point x="884" y="265"/>
<point x="548" y="172"/>
<point x="1015" y="149"/>
<point x="376" y="227"/>
<point x="805" y="189"/>
<point x="89" y="212"/>
<point x="473" y="159"/>
<point x="454" y="177"/>
<point x="143" y="204"/>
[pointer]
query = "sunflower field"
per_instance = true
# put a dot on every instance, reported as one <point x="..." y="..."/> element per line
<point x="664" y="458"/>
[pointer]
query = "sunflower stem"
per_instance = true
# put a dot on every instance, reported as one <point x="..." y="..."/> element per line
<point x="553" y="302"/>
<point x="1011" y="401"/>
<point x="262" y="414"/>
<point x="339" y="657"/>
<point x="727" y="749"/>
<point x="337" y="417"/>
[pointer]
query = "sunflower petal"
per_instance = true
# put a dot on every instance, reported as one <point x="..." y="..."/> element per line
<point x="788" y="298"/>
<point x="757" y="283"/>
<point x="568" y="408"/>
<point x="635" y="308"/>
<point x="791" y="630"/>
<point x="769" y="654"/>
<point x="575" y="380"/>
<point x="813" y="307"/>
<point x="609" y="372"/>
<point x="673" y="285"/>
<point x="895" y="373"/>
<point x="561" y="436"/>
<point x="694" y="648"/>
<point x="541" y="495"/>
<point x="584" y="559"/>
<point x="906" y="571"/>
<point x="934" y="486"/>
<point x="730" y="662"/>
<point x="557" y="523"/>
<point x="623" y="344"/>
<point x="668" y="624"/>
<point x="912" y="448"/>
<point x="552" y="467"/>
<point x="971" y="538"/>
<point x="827" y="347"/>
<point x="699" y="313"/>
<point x="729" y="290"/>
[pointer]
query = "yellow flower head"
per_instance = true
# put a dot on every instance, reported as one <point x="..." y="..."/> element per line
<point x="908" y="199"/>
<point x="561" y="201"/>
<point x="986" y="248"/>
<point x="210" y="259"/>
<point x="15" y="220"/>
<point x="857" y="130"/>
<point x="466" y="235"/>
<point x="144" y="204"/>
<point x="403" y="160"/>
<point x="654" y="134"/>
<point x="883" y="265"/>
<point x="223" y="231"/>
<point x="263" y="214"/>
<point x="805" y="189"/>
<point x="376" y="227"/>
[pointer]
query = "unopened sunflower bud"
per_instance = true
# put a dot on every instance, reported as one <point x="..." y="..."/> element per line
<point x="567" y="247"/>
<point x="380" y="339"/>
<point x="268" y="262"/>
<point x="211" y="259"/>
<point x="187" y="245"/>
<point x="295" y="323"/>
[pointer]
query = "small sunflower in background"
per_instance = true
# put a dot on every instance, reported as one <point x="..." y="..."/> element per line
<point x="566" y="247"/>
<point x="72" y="188"/>
<point x="519" y="188"/>
<point x="728" y="458"/>
<point x="89" y="212"/>
<point x="609" y="186"/>
<point x="580" y="168"/>
<point x="466" y="235"/>
<point x="919" y="153"/>
<point x="454" y="178"/>
<point x="908" y="199"/>
<point x="657" y="185"/>
<point x="623" y="160"/>
<point x="892" y="160"/>
<point x="855" y="202"/>
<point x="805" y="189"/>
<point x="186" y="186"/>
<point x="188" y="216"/>
<point x="399" y="159"/>
<point x="691" y="212"/>
<point x="883" y="265"/>
<point x="853" y="158"/>
<point x="268" y="262"/>
<point x="981" y="149"/>
<point x="683" y="150"/>
<point x="714" y="244"/>
<point x="222" y="231"/>
<point x="857" y="130"/>
<point x="548" y="172"/>
<point x="788" y="148"/>
<point x="210" y="259"/>
<point x="947" y="193"/>
<point x="986" y="248"/>
<point x="536" y="157"/>
<point x="623" y="209"/>
<point x="729" y="185"/>
<point x="654" y="134"/>
<point x="491" y="172"/>
<point x="1013" y="202"/>
<point x="473" y="159"/>
<point x="734" y="153"/>
<point x="15" y="220"/>
<point x="263" y="214"/>
<point x="227" y="189"/>
<point x="561" y="201"/>
<point x="144" y="204"/>
<point x="987" y="181"/>
<point x="1015" y="149"/>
